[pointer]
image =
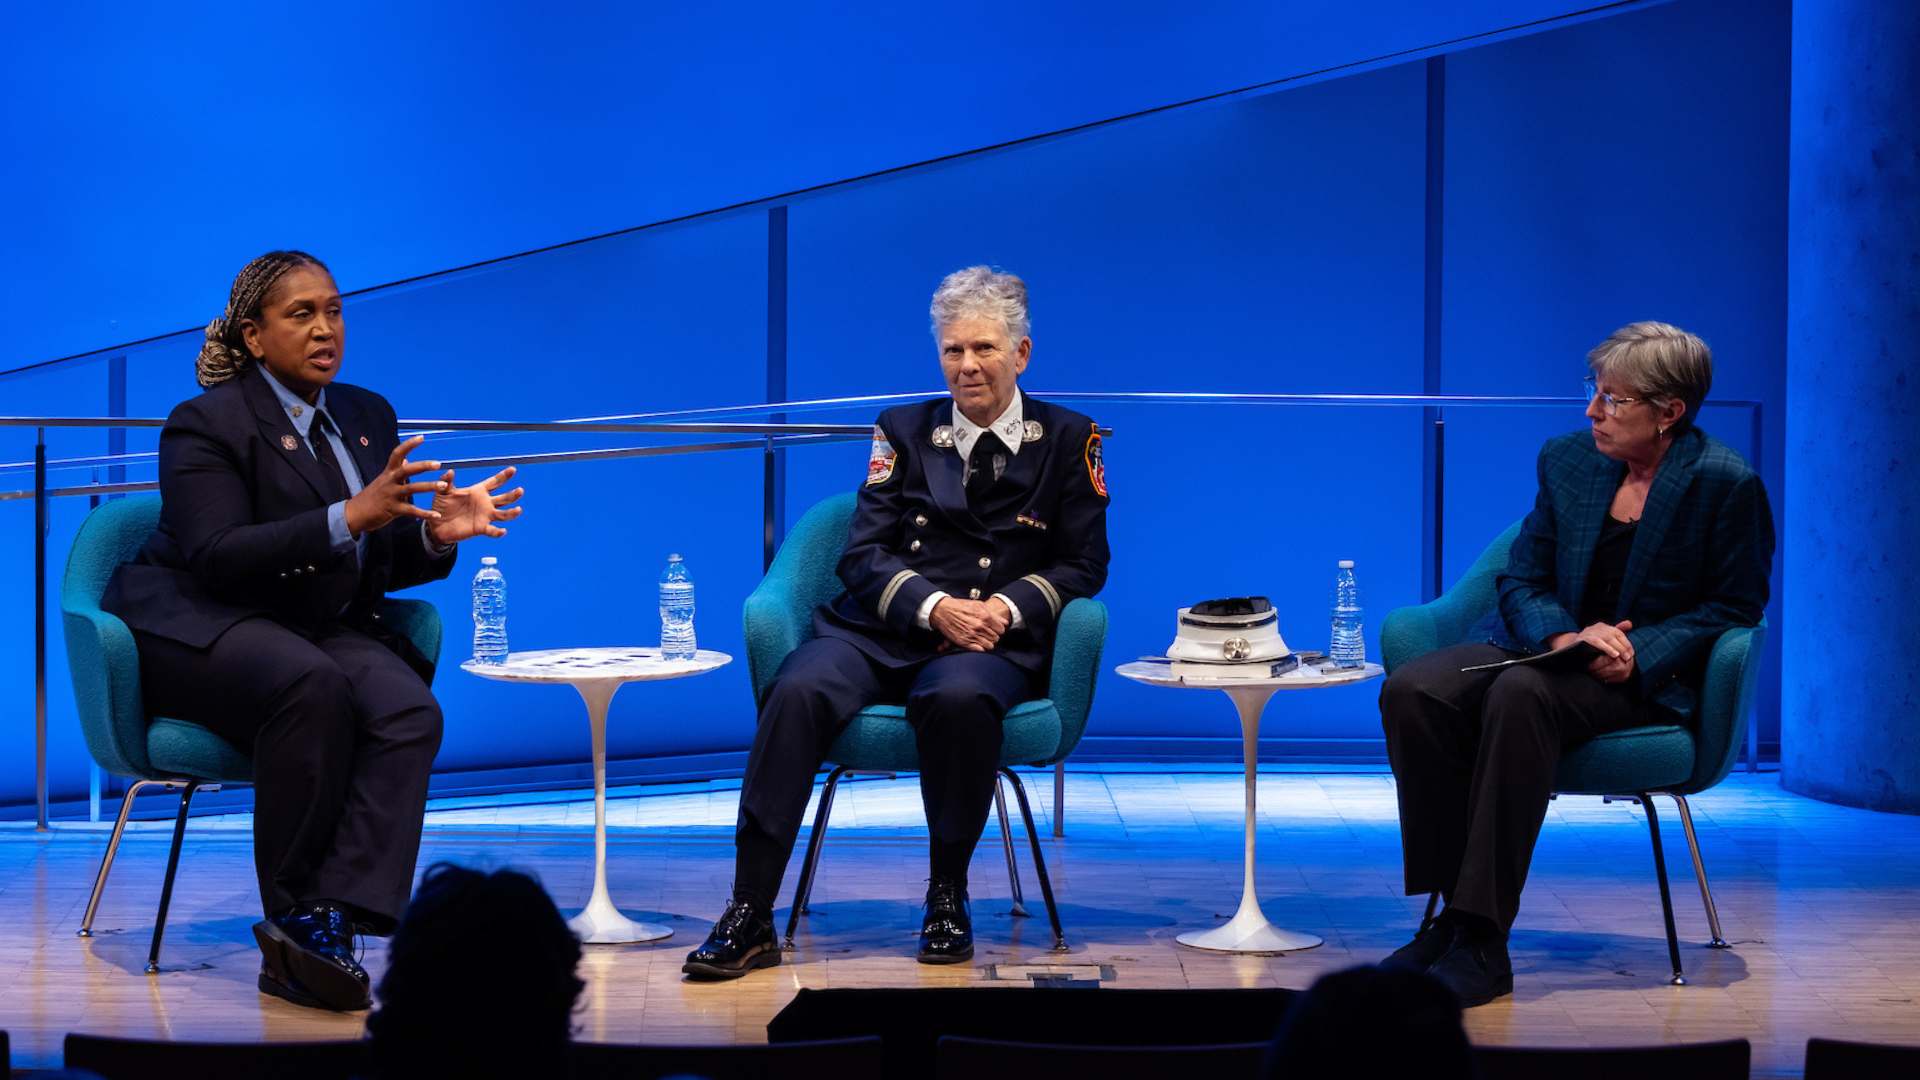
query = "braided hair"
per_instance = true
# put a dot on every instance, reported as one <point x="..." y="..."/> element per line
<point x="224" y="354"/>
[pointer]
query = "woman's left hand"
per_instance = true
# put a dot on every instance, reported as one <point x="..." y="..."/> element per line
<point x="466" y="512"/>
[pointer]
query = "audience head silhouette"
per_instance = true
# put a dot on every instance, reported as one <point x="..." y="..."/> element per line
<point x="1369" y="1021"/>
<point x="455" y="1001"/>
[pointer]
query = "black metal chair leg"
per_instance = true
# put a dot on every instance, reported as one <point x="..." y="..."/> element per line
<point x="1039" y="861"/>
<point x="803" y="891"/>
<point x="1433" y="901"/>
<point x="113" y="848"/>
<point x="1666" y="897"/>
<point x="1019" y="909"/>
<point x="166" y="886"/>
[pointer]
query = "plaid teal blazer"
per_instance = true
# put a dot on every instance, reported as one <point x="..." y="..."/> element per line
<point x="1699" y="565"/>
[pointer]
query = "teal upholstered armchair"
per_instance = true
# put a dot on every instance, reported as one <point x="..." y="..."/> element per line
<point x="156" y="752"/>
<point x="779" y="616"/>
<point x="1637" y="763"/>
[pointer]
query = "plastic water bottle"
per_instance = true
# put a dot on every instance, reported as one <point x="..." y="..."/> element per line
<point x="1349" y="648"/>
<point x="489" y="613"/>
<point x="676" y="611"/>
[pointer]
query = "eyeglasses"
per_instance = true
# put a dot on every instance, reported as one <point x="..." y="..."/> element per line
<point x="1608" y="403"/>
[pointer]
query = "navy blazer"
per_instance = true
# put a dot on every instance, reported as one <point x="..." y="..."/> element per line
<point x="1039" y="537"/>
<point x="1699" y="563"/>
<point x="243" y="522"/>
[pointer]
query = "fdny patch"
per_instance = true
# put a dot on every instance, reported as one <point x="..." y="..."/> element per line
<point x="1096" y="467"/>
<point x="880" y="462"/>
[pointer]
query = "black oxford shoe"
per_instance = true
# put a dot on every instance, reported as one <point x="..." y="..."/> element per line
<point x="1476" y="970"/>
<point x="307" y="958"/>
<point x="741" y="941"/>
<point x="1425" y="950"/>
<point x="946" y="929"/>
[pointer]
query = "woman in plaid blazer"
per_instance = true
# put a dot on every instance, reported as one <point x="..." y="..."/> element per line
<point x="1647" y="540"/>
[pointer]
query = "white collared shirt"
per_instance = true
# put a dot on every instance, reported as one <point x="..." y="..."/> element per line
<point x="1010" y="427"/>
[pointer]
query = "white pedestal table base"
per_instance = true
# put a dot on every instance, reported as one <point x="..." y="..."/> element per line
<point x="601" y="923"/>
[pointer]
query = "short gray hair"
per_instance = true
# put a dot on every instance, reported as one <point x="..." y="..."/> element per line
<point x="982" y="291"/>
<point x="1658" y="361"/>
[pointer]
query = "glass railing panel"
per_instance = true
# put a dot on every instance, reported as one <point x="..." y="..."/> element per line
<point x="1200" y="251"/>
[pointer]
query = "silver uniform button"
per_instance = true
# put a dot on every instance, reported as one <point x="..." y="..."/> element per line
<point x="985" y="562"/>
<point x="920" y="520"/>
<point x="311" y="570"/>
<point x="915" y="546"/>
<point x="973" y="594"/>
<point x="283" y="575"/>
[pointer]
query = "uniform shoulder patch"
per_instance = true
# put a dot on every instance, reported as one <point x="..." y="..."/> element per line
<point x="1096" y="465"/>
<point x="880" y="462"/>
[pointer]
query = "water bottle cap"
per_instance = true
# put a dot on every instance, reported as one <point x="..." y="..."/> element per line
<point x="1346" y="564"/>
<point x="488" y="560"/>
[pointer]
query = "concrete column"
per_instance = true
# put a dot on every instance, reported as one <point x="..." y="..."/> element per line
<point x="1850" y="694"/>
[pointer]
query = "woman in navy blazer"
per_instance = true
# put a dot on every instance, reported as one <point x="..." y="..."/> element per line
<point x="286" y="514"/>
<point x="1647" y="540"/>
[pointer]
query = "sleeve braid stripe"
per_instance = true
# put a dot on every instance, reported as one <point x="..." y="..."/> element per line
<point x="1047" y="591"/>
<point x="892" y="589"/>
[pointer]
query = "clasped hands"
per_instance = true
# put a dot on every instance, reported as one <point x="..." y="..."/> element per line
<point x="457" y="513"/>
<point x="974" y="625"/>
<point x="1615" y="662"/>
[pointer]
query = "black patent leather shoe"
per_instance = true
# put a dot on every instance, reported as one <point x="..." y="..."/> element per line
<point x="741" y="941"/>
<point x="287" y="988"/>
<point x="1476" y="970"/>
<point x="1425" y="950"/>
<point x="946" y="928"/>
<point x="307" y="958"/>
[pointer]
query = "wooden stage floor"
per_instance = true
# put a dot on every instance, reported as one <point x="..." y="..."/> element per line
<point x="1821" y="902"/>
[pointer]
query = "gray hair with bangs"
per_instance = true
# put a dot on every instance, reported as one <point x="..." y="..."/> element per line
<point x="982" y="291"/>
<point x="1657" y="361"/>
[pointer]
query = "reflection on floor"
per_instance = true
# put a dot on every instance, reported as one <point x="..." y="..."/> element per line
<point x="1820" y="902"/>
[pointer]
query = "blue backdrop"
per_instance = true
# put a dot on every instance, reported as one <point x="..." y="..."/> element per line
<point x="1294" y="241"/>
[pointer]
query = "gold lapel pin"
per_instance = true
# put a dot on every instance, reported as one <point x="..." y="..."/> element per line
<point x="288" y="442"/>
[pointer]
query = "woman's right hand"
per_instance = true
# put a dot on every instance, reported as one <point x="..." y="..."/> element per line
<point x="390" y="495"/>
<point x="1615" y="661"/>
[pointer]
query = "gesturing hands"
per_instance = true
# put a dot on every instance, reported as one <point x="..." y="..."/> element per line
<point x="1615" y="662"/>
<point x="461" y="513"/>
<point x="390" y="494"/>
<point x="974" y="625"/>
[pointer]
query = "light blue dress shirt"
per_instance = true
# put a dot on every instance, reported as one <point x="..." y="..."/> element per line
<point x="301" y="415"/>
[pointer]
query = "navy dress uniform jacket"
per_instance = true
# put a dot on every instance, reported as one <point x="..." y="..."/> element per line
<point x="1039" y="535"/>
<point x="243" y="523"/>
<point x="1699" y="564"/>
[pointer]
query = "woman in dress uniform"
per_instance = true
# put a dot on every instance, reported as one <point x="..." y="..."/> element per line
<point x="287" y="513"/>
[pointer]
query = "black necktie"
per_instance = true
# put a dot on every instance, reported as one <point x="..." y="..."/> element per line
<point x="980" y="471"/>
<point x="323" y="449"/>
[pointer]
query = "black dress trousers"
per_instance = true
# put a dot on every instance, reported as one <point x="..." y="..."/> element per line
<point x="343" y="734"/>
<point x="1474" y="756"/>
<point x="955" y="703"/>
